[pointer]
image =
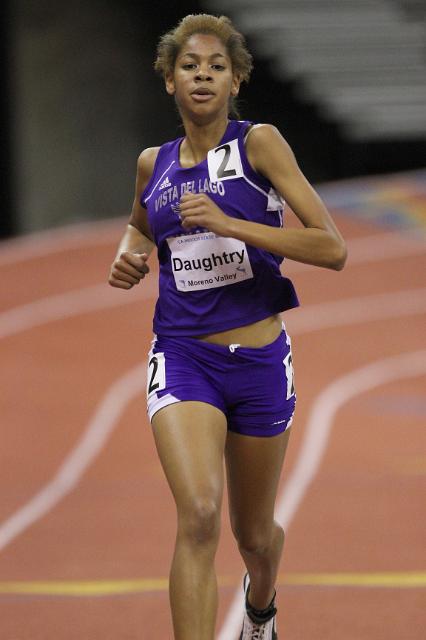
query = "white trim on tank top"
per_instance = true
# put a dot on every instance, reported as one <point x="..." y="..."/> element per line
<point x="157" y="183"/>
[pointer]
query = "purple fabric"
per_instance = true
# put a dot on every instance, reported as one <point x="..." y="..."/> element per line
<point x="253" y="387"/>
<point x="261" y="292"/>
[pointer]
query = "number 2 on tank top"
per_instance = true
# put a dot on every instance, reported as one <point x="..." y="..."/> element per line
<point x="224" y="162"/>
<point x="223" y="172"/>
<point x="289" y="372"/>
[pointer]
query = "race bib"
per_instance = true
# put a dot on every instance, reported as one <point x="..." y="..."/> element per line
<point x="224" y="162"/>
<point x="205" y="260"/>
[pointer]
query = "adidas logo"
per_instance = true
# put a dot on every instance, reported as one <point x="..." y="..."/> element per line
<point x="165" y="183"/>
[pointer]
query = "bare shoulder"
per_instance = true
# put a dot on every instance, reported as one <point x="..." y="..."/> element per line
<point x="262" y="136"/>
<point x="146" y="162"/>
<point x="145" y="168"/>
<point x="265" y="144"/>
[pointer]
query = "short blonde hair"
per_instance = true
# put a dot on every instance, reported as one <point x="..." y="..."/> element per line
<point x="221" y="27"/>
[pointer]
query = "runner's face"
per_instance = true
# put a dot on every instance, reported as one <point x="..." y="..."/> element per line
<point x="203" y="80"/>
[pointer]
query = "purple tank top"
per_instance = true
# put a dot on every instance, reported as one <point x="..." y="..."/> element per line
<point x="209" y="283"/>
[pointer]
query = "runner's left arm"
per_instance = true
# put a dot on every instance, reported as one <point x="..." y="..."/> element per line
<point x="318" y="243"/>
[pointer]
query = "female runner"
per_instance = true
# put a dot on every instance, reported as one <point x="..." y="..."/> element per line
<point x="220" y="376"/>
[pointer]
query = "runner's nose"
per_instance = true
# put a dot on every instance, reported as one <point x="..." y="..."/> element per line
<point x="203" y="74"/>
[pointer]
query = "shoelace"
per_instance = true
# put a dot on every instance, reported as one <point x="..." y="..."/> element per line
<point x="256" y="632"/>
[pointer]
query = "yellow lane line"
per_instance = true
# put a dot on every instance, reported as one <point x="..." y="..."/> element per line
<point x="395" y="580"/>
<point x="81" y="588"/>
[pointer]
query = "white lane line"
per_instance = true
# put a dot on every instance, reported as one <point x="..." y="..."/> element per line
<point x="314" y="317"/>
<point x="310" y="315"/>
<point x="70" y="304"/>
<point x="375" y="248"/>
<point x="81" y="457"/>
<point x="315" y="440"/>
<point x="350" y="311"/>
<point x="73" y="236"/>
<point x="101" y="296"/>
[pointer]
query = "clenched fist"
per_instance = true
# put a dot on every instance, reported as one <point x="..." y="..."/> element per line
<point x="198" y="210"/>
<point x="128" y="269"/>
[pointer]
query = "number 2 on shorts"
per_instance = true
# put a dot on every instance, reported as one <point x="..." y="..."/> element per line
<point x="289" y="372"/>
<point x="156" y="377"/>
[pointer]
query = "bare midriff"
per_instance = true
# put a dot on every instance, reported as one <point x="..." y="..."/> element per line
<point x="257" y="334"/>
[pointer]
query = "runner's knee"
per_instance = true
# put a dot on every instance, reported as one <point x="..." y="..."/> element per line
<point x="258" y="540"/>
<point x="199" y="521"/>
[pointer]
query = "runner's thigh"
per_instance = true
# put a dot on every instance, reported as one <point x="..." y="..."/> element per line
<point x="190" y="439"/>
<point x="253" y="466"/>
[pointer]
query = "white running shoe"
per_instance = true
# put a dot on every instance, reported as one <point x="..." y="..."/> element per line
<point x="254" y="627"/>
<point x="253" y="631"/>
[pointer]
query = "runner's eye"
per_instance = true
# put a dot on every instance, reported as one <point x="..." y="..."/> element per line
<point x="218" y="67"/>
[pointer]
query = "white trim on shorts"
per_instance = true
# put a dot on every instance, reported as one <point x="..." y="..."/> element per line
<point x="155" y="403"/>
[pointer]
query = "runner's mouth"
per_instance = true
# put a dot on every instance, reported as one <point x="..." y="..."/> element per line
<point x="202" y="94"/>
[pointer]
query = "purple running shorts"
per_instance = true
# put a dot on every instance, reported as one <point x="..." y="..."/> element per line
<point x="253" y="387"/>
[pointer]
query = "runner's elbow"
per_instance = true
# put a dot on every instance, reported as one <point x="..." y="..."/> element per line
<point x="338" y="255"/>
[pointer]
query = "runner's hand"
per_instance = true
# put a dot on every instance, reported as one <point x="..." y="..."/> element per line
<point x="128" y="269"/>
<point x="198" y="210"/>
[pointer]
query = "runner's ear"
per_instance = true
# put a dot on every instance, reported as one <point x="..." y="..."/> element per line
<point x="170" y="84"/>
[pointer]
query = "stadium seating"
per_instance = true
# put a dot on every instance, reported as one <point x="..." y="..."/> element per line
<point x="363" y="62"/>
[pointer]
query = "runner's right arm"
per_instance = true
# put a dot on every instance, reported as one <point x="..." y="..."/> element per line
<point x="129" y="266"/>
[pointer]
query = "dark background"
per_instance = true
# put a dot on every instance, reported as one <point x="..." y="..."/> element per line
<point x="80" y="101"/>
